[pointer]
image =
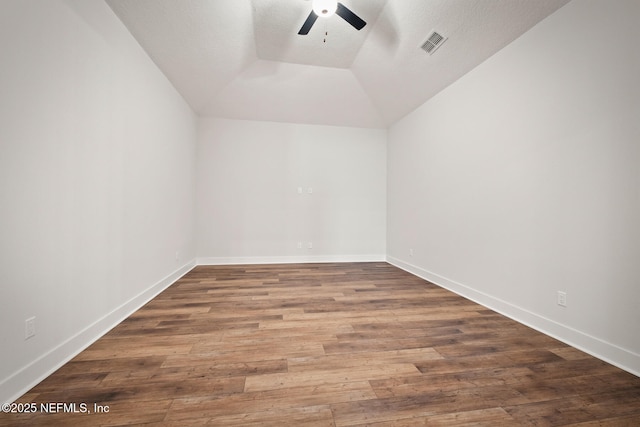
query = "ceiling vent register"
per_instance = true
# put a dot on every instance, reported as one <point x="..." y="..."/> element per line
<point x="434" y="41"/>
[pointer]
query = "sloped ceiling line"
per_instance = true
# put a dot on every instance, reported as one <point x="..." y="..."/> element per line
<point x="243" y="59"/>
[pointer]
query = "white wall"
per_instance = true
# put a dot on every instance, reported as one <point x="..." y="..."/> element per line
<point x="519" y="180"/>
<point x="523" y="178"/>
<point x="248" y="206"/>
<point x="97" y="179"/>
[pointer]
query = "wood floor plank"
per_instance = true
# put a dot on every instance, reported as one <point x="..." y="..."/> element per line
<point x="312" y="416"/>
<point x="338" y="361"/>
<point x="334" y="344"/>
<point x="260" y="401"/>
<point x="260" y="350"/>
<point x="320" y="377"/>
<point x="507" y="378"/>
<point x="492" y="417"/>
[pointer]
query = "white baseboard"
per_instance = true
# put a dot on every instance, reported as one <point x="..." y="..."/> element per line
<point x="611" y="353"/>
<point x="289" y="259"/>
<point x="22" y="381"/>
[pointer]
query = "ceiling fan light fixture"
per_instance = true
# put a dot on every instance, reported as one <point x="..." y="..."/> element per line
<point x="325" y="8"/>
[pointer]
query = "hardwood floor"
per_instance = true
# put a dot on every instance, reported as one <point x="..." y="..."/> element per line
<point x="328" y="345"/>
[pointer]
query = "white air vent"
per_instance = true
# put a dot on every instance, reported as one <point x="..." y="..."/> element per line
<point x="434" y="41"/>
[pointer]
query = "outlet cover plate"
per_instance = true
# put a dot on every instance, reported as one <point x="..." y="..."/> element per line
<point x="29" y="327"/>
<point x="562" y="298"/>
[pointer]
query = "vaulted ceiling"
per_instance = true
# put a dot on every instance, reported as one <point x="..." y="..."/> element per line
<point x="243" y="59"/>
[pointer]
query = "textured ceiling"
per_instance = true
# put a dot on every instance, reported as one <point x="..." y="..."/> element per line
<point x="243" y="59"/>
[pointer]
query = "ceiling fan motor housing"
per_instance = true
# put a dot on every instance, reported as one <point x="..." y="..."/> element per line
<point x="325" y="8"/>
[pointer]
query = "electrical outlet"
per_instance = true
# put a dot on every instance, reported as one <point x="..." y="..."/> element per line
<point x="310" y="245"/>
<point x="562" y="298"/>
<point x="299" y="245"/>
<point x="29" y="327"/>
<point x="410" y="252"/>
<point x="177" y="255"/>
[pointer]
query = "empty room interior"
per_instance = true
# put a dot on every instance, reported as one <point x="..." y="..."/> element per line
<point x="245" y="212"/>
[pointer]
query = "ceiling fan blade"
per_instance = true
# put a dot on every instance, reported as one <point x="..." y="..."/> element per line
<point x="311" y="19"/>
<point x="353" y="19"/>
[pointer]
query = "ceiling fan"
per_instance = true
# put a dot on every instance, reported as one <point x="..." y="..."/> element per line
<point x="326" y="8"/>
